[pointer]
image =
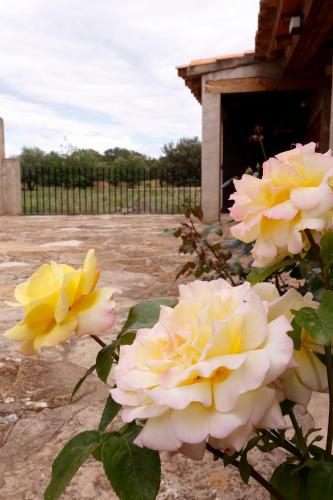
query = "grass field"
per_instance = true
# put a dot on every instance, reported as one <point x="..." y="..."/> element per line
<point x="105" y="198"/>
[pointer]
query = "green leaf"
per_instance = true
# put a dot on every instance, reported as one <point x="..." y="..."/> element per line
<point x="127" y="338"/>
<point x="318" y="322"/>
<point x="111" y="409"/>
<point x="198" y="213"/>
<point x="260" y="274"/>
<point x="69" y="460"/>
<point x="326" y="249"/>
<point x="213" y="229"/>
<point x="295" y="334"/>
<point x="244" y="468"/>
<point x="82" y="379"/>
<point x="290" y="482"/>
<point x="134" y="473"/>
<point x="320" y="482"/>
<point x="173" y="231"/>
<point x="145" y="314"/>
<point x="104" y="360"/>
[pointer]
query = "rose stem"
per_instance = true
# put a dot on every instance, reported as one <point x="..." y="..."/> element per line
<point x="283" y="443"/>
<point x="329" y="369"/>
<point x="253" y="473"/>
<point x="298" y="431"/>
<point x="328" y="354"/>
<point x="98" y="340"/>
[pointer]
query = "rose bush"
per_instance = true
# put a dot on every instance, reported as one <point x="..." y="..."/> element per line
<point x="221" y="369"/>
<point x="204" y="371"/>
<point x="59" y="301"/>
<point x="293" y="194"/>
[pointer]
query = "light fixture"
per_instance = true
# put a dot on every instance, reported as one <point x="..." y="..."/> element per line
<point x="295" y="25"/>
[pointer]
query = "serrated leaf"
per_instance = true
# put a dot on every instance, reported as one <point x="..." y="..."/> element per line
<point x="145" y="314"/>
<point x="260" y="274"/>
<point x="104" y="360"/>
<point x="111" y="409"/>
<point x="326" y="249"/>
<point x="320" y="482"/>
<point x="134" y="473"/>
<point x="290" y="482"/>
<point x="295" y="334"/>
<point x="127" y="338"/>
<point x="318" y="322"/>
<point x="69" y="460"/>
<point x="82" y="379"/>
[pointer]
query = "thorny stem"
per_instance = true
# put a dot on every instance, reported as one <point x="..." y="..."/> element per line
<point x="316" y="250"/>
<point x="253" y="473"/>
<point x="298" y="431"/>
<point x="283" y="443"/>
<point x="98" y="340"/>
<point x="328" y="350"/>
<point x="262" y="148"/>
<point x="217" y="257"/>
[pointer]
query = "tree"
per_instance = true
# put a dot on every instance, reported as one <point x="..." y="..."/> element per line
<point x="183" y="161"/>
<point x="113" y="154"/>
<point x="32" y="162"/>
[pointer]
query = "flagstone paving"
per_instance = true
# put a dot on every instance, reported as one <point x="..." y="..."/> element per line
<point x="36" y="414"/>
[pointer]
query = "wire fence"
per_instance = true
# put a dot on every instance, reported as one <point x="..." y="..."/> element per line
<point x="107" y="190"/>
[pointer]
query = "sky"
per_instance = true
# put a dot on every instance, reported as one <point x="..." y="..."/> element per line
<point x="100" y="74"/>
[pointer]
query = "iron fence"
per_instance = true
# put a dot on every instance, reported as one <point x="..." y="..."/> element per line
<point x="107" y="190"/>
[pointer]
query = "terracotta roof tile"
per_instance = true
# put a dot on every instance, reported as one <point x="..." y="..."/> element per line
<point x="212" y="60"/>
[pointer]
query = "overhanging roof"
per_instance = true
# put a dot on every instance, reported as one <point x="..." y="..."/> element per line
<point x="313" y="46"/>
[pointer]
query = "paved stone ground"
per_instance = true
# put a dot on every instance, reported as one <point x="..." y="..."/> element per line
<point x="36" y="415"/>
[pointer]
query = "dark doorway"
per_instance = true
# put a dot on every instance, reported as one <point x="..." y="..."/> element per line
<point x="283" y="117"/>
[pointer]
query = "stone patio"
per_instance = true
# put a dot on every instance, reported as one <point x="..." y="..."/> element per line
<point x="36" y="415"/>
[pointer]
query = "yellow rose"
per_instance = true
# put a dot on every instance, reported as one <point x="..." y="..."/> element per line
<point x="306" y="372"/>
<point x="59" y="301"/>
<point x="293" y="194"/>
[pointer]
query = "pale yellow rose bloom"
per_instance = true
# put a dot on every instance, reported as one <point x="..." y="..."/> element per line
<point x="306" y="372"/>
<point x="294" y="194"/>
<point x="205" y="371"/>
<point x="59" y="301"/>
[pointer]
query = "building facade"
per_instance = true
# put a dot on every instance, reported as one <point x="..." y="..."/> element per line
<point x="282" y="91"/>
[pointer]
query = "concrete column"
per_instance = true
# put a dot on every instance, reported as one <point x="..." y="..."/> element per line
<point x="211" y="156"/>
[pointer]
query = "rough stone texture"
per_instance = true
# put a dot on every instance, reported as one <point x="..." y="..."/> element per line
<point x="36" y="414"/>
<point x="10" y="180"/>
<point x="10" y="187"/>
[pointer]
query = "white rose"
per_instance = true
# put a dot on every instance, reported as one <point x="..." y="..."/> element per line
<point x="306" y="373"/>
<point x="203" y="372"/>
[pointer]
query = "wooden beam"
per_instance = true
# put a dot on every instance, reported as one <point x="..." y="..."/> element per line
<point x="318" y="21"/>
<point x="274" y="30"/>
<point x="262" y="84"/>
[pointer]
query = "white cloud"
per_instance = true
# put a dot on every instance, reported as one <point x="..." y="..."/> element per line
<point x="103" y="73"/>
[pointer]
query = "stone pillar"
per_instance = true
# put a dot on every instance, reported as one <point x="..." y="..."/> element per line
<point x="211" y="156"/>
<point x="10" y="181"/>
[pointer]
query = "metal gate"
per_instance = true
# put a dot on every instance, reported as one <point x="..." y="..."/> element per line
<point x="107" y="190"/>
